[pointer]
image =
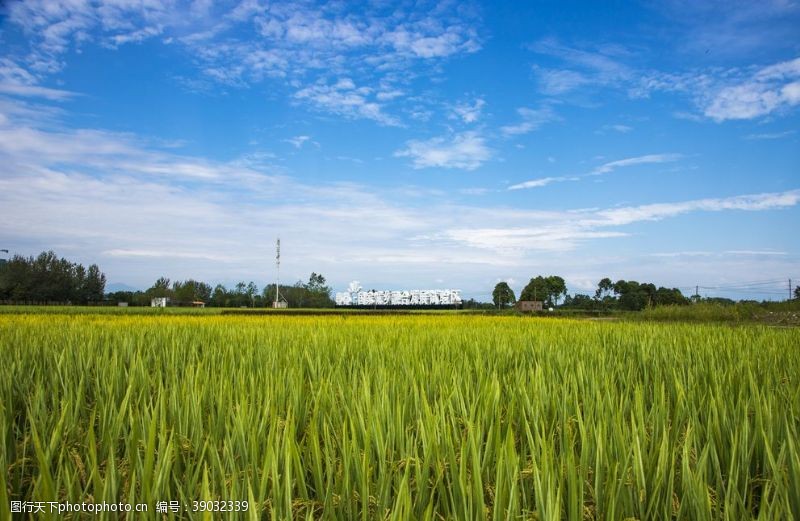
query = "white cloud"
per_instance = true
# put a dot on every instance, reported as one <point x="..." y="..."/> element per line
<point x="532" y="119"/>
<point x="466" y="150"/>
<point x="735" y="94"/>
<point x="622" y="129"/>
<point x="469" y="112"/>
<point x="606" y="168"/>
<point x="554" y="82"/>
<point x="169" y="254"/>
<point x="655" y="212"/>
<point x="755" y="252"/>
<point x="721" y="95"/>
<point x="564" y="231"/>
<point x="18" y="81"/>
<point x="544" y="181"/>
<point x="551" y="237"/>
<point x="298" y="141"/>
<point x="142" y="212"/>
<point x="600" y="66"/>
<point x="771" y="89"/>
<point x="731" y="28"/>
<point x="345" y="99"/>
<point x="770" y="135"/>
<point x="300" y="43"/>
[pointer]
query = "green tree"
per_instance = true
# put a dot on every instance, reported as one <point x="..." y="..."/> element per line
<point x="632" y="296"/>
<point x="546" y="289"/>
<point x="219" y="298"/>
<point x="95" y="285"/>
<point x="536" y="289"/>
<point x="191" y="290"/>
<point x="580" y="301"/>
<point x="251" y="291"/>
<point x="503" y="295"/>
<point x="604" y="288"/>
<point x="318" y="295"/>
<point x="160" y="289"/>
<point x="48" y="278"/>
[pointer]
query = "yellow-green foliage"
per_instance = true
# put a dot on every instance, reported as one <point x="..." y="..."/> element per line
<point x="410" y="417"/>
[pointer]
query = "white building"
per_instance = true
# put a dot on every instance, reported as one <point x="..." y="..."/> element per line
<point x="356" y="296"/>
<point x="159" y="302"/>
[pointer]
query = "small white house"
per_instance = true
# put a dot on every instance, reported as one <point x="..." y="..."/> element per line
<point x="159" y="302"/>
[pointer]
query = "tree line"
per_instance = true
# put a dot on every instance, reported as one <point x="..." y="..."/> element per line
<point x="314" y="293"/>
<point x="625" y="295"/>
<point x="47" y="278"/>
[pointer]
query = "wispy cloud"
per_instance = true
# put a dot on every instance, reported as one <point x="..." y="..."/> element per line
<point x="771" y="89"/>
<point x="532" y="119"/>
<point x="18" y="81"/>
<point x="726" y="253"/>
<point x="544" y="181"/>
<point x="297" y="141"/>
<point x="563" y="231"/>
<point x="755" y="252"/>
<point x="720" y="95"/>
<point x="469" y="112"/>
<point x="467" y="151"/>
<point x="599" y="66"/>
<point x="725" y="28"/>
<point x="770" y="135"/>
<point x="655" y="212"/>
<point x="605" y="168"/>
<point x="344" y="98"/>
<point x="300" y="43"/>
<point x="622" y="129"/>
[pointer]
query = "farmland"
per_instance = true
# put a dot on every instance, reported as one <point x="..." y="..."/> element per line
<point x="401" y="417"/>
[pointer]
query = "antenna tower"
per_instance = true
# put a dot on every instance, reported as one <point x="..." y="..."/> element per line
<point x="279" y="302"/>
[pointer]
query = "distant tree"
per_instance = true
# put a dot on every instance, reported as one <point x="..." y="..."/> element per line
<point x="251" y="291"/>
<point x="503" y="295"/>
<point x="190" y="291"/>
<point x="670" y="297"/>
<point x="580" y="301"/>
<point x="474" y="304"/>
<point x="318" y="294"/>
<point x="80" y="287"/>
<point x="631" y="297"/>
<point x="160" y="289"/>
<point x="48" y="278"/>
<point x="604" y="288"/>
<point x="557" y="288"/>
<point x="549" y="290"/>
<point x="797" y="292"/>
<point x="219" y="298"/>
<point x="95" y="285"/>
<point x="535" y="290"/>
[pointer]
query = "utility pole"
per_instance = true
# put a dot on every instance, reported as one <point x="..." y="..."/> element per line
<point x="790" y="289"/>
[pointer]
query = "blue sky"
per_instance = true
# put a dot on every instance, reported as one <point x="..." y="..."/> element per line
<point x="406" y="145"/>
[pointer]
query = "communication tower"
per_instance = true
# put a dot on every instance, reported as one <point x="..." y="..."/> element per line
<point x="280" y="302"/>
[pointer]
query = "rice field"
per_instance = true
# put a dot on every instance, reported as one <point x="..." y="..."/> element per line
<point x="400" y="417"/>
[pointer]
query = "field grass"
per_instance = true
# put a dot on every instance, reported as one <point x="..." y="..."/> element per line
<point x="401" y="417"/>
<point x="785" y="313"/>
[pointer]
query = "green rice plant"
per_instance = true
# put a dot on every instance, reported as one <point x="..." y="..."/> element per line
<point x="400" y="417"/>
